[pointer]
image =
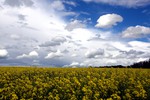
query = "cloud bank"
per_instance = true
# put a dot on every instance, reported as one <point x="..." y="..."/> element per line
<point x="136" y="32"/>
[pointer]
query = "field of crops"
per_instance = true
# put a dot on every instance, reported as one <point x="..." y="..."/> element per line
<point x="74" y="84"/>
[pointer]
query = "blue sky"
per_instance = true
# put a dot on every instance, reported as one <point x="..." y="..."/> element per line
<point x="132" y="15"/>
<point x="74" y="32"/>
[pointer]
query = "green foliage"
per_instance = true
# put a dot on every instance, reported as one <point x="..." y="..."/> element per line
<point x="74" y="84"/>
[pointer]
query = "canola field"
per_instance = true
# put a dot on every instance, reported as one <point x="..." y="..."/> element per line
<point x="74" y="83"/>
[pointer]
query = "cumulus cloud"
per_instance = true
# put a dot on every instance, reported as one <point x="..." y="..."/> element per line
<point x="32" y="54"/>
<point x="54" y="55"/>
<point x="125" y="3"/>
<point x="140" y="46"/>
<point x="54" y="42"/>
<point x="130" y="54"/>
<point x="74" y="64"/>
<point x="108" y="20"/>
<point x="3" y="53"/>
<point x="74" y="24"/>
<point x="94" y="53"/>
<point x="136" y="32"/>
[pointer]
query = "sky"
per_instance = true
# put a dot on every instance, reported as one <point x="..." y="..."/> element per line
<point x="74" y="32"/>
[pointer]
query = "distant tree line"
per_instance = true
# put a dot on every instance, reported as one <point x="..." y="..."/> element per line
<point x="114" y="66"/>
<point x="142" y="64"/>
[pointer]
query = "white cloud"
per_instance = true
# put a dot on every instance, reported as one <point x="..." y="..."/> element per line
<point x="136" y="32"/>
<point x="82" y="65"/>
<point x="3" y="53"/>
<point x="70" y="3"/>
<point x="58" y="40"/>
<point x="86" y="34"/>
<point x="94" y="53"/>
<point x="142" y="59"/>
<point x="14" y="36"/>
<point x="129" y="54"/>
<point x="140" y="46"/>
<point x="108" y="20"/>
<point x="22" y="56"/>
<point x="111" y="62"/>
<point x="74" y="64"/>
<point x="120" y="45"/>
<point x="57" y="5"/>
<point x="74" y="55"/>
<point x="74" y="24"/>
<point x="125" y="3"/>
<point x="54" y="55"/>
<point x="68" y="13"/>
<point x="32" y="54"/>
